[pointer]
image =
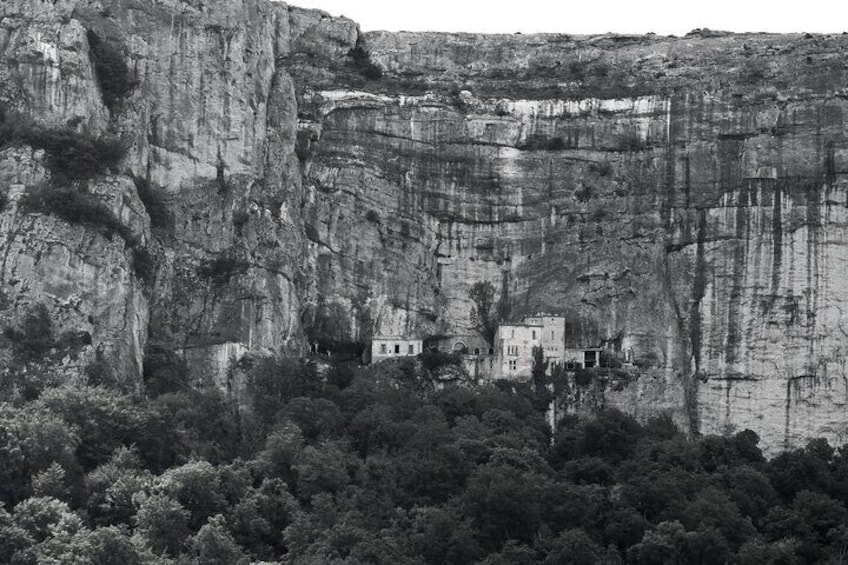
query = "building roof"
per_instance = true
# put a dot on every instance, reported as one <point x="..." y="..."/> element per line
<point x="394" y="338"/>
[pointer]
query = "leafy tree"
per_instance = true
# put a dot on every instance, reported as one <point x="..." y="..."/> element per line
<point x="15" y="541"/>
<point x="259" y="517"/>
<point x="758" y="551"/>
<point x="574" y="547"/>
<point x="51" y="482"/>
<point x="215" y="545"/>
<point x="196" y="486"/>
<point x="321" y="469"/>
<point x="163" y="524"/>
<point x="31" y="440"/>
<point x="440" y="535"/>
<point x="44" y="517"/>
<point x="110" y="488"/>
<point x="483" y="313"/>
<point x="612" y="436"/>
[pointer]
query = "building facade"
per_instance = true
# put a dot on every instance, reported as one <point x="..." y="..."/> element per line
<point x="388" y="347"/>
<point x="515" y="343"/>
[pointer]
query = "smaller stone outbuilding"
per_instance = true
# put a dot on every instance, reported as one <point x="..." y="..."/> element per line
<point x="388" y="347"/>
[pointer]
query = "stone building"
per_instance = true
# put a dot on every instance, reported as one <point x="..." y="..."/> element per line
<point x="387" y="347"/>
<point x="515" y="343"/>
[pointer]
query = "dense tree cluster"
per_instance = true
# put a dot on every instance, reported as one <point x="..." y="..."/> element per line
<point x="350" y="468"/>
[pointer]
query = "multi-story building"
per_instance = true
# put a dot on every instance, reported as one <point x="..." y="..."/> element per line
<point x="515" y="343"/>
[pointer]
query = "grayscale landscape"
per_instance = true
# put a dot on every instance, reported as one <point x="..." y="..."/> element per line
<point x="277" y="290"/>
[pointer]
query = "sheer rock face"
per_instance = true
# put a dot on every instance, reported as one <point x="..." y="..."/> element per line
<point x="682" y="199"/>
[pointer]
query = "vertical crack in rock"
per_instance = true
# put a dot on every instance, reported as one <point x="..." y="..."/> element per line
<point x="691" y="379"/>
<point x="740" y="244"/>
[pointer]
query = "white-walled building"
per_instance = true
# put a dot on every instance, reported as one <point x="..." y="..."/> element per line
<point x="515" y="343"/>
<point x="387" y="347"/>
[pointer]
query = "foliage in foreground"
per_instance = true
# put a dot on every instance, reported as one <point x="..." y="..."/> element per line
<point x="357" y="470"/>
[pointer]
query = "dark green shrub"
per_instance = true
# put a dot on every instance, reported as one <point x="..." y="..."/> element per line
<point x="602" y="169"/>
<point x="584" y="193"/>
<point x="164" y="371"/>
<point x="539" y="142"/>
<point x="221" y="269"/>
<point x="584" y="377"/>
<point x="35" y="339"/>
<point x="432" y="359"/>
<point x="110" y="69"/>
<point x="74" y="207"/>
<point x="240" y="219"/>
<point x="361" y="61"/>
<point x="71" y="156"/>
<point x="341" y="375"/>
<point x="373" y="216"/>
<point x="144" y="264"/>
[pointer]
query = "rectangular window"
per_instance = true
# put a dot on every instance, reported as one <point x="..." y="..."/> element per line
<point x="383" y="348"/>
<point x="513" y="364"/>
<point x="411" y="349"/>
<point x="553" y="334"/>
<point x="512" y="334"/>
<point x="534" y="334"/>
<point x="397" y="348"/>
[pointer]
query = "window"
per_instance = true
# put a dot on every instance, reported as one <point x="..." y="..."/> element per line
<point x="476" y="351"/>
<point x="397" y="348"/>
<point x="383" y="348"/>
<point x="512" y="333"/>
<point x="491" y="351"/>
<point x="553" y="334"/>
<point x="411" y="349"/>
<point x="512" y="350"/>
<point x="513" y="364"/>
<point x="590" y="359"/>
<point x="534" y="334"/>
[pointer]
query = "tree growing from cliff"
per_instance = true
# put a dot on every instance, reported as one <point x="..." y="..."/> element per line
<point x="483" y="316"/>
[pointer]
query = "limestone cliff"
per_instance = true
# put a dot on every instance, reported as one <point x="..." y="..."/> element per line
<point x="683" y="198"/>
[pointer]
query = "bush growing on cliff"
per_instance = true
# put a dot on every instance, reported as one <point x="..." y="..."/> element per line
<point x="221" y="269"/>
<point x="373" y="216"/>
<point x="35" y="338"/>
<point x="75" y="207"/>
<point x="361" y="61"/>
<point x="110" y="69"/>
<point x="539" y="142"/>
<point x="483" y="315"/>
<point x="71" y="156"/>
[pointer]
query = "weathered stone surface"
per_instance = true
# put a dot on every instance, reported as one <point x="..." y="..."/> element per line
<point x="82" y="275"/>
<point x="683" y="198"/>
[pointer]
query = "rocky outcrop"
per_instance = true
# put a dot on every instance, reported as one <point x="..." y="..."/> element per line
<point x="693" y="222"/>
<point x="682" y="199"/>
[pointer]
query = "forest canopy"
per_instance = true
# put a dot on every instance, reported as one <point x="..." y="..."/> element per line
<point x="355" y="468"/>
